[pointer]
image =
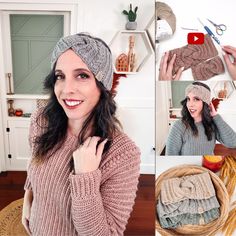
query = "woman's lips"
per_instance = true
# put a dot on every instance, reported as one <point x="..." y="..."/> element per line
<point x="72" y="103"/>
<point x="192" y="111"/>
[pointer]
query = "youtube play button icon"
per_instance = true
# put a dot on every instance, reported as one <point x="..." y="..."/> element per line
<point x="195" y="38"/>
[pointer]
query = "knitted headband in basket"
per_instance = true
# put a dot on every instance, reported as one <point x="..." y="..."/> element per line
<point x="197" y="186"/>
<point x="94" y="52"/>
<point x="200" y="91"/>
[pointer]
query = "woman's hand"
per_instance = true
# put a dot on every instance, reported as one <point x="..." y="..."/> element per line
<point x="212" y="110"/>
<point x="165" y="71"/>
<point x="231" y="65"/>
<point x="88" y="156"/>
<point x="28" y="197"/>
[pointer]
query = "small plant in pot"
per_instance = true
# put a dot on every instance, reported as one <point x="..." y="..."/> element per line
<point x="132" y="15"/>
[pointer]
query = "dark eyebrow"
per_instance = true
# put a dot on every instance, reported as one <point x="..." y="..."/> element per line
<point x="76" y="70"/>
<point x="58" y="70"/>
<point x="82" y="69"/>
<point x="194" y="97"/>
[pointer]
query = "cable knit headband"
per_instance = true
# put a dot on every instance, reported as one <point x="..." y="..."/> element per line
<point x="200" y="91"/>
<point x="93" y="51"/>
<point x="197" y="186"/>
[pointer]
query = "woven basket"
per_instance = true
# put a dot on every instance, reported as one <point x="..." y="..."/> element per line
<point x="10" y="220"/>
<point x="221" y="193"/>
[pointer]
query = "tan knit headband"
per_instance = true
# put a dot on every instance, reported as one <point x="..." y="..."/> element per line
<point x="200" y="91"/>
<point x="197" y="186"/>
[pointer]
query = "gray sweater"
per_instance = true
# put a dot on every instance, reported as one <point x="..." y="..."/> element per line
<point x="182" y="142"/>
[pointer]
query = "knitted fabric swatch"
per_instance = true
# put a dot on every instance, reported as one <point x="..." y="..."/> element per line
<point x="208" y="69"/>
<point x="192" y="206"/>
<point x="193" y="54"/>
<point x="190" y="219"/>
<point x="187" y="187"/>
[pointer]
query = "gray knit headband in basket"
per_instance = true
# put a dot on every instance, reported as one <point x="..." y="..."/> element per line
<point x="200" y="91"/>
<point x="94" y="53"/>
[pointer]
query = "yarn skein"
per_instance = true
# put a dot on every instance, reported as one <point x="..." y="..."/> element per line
<point x="164" y="12"/>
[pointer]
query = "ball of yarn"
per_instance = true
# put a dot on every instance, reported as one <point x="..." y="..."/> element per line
<point x="164" y="12"/>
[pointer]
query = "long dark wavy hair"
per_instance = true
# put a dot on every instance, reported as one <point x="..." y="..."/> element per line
<point x="102" y="120"/>
<point x="207" y="120"/>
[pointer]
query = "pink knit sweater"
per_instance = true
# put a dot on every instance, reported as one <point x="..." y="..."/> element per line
<point x="94" y="203"/>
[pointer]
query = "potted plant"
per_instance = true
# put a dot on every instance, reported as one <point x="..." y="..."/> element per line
<point x="132" y="15"/>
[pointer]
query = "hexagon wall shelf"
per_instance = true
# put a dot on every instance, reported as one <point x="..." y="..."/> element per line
<point x="223" y="89"/>
<point x="142" y="48"/>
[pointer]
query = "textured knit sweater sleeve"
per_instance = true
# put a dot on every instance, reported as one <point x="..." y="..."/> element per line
<point x="103" y="207"/>
<point x="224" y="134"/>
<point x="175" y="140"/>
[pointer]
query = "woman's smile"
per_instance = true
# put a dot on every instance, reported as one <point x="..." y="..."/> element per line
<point x="72" y="103"/>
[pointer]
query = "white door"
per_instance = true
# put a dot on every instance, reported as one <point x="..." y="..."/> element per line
<point x="19" y="150"/>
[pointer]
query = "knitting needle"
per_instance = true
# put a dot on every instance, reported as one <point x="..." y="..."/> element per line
<point x="184" y="28"/>
<point x="209" y="32"/>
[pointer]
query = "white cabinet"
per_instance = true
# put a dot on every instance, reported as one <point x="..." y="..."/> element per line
<point x="18" y="151"/>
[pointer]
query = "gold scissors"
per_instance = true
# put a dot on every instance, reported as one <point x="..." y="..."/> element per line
<point x="219" y="28"/>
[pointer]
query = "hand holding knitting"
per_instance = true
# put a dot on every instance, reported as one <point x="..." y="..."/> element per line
<point x="165" y="71"/>
<point x="231" y="65"/>
<point x="212" y="110"/>
<point x="88" y="156"/>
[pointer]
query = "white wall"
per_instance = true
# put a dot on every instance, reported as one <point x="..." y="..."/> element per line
<point x="162" y="115"/>
<point x="227" y="109"/>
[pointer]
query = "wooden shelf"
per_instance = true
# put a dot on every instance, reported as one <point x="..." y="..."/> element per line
<point x="142" y="48"/>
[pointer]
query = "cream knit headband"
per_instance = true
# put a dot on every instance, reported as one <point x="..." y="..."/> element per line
<point x="200" y="91"/>
<point x="197" y="186"/>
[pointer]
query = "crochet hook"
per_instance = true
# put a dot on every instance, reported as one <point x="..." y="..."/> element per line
<point x="209" y="32"/>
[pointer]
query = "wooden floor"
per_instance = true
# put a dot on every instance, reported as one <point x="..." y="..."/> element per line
<point x="142" y="218"/>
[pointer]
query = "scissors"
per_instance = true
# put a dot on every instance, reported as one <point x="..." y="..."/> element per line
<point x="219" y="28"/>
<point x="209" y="32"/>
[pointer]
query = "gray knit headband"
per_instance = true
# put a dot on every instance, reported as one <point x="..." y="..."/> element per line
<point x="200" y="91"/>
<point x="93" y="52"/>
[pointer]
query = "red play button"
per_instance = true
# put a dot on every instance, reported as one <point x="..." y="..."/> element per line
<point x="195" y="38"/>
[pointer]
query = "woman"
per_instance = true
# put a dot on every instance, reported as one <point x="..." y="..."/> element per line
<point x="196" y="133"/>
<point x="83" y="176"/>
